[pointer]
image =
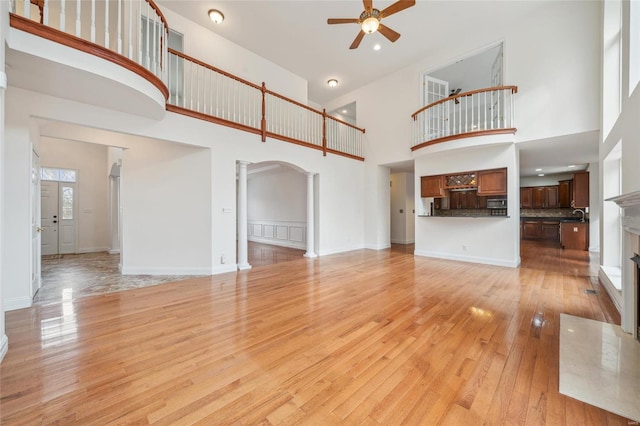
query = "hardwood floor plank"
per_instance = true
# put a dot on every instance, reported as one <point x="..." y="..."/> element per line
<point x="364" y="337"/>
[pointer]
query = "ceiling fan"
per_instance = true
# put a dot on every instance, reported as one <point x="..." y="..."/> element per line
<point x="370" y="18"/>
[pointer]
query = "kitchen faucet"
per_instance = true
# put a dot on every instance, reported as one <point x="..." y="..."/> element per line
<point x="581" y="211"/>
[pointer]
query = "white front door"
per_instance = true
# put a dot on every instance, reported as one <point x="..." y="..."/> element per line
<point x="437" y="118"/>
<point x="35" y="224"/>
<point x="49" y="217"/>
<point x="67" y="214"/>
<point x="58" y="217"/>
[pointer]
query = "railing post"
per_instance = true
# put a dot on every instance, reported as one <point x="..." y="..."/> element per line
<point x="263" y="121"/>
<point x="324" y="132"/>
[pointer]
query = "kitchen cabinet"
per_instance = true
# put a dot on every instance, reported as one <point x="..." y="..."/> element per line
<point x="541" y="230"/>
<point x="574" y="235"/>
<point x="526" y="198"/>
<point x="543" y="197"/>
<point x="432" y="186"/>
<point x="463" y="200"/>
<point x="492" y="182"/>
<point x="581" y="190"/>
<point x="551" y="230"/>
<point x="532" y="230"/>
<point x="565" y="193"/>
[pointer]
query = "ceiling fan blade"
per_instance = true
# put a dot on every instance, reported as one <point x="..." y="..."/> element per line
<point x="397" y="7"/>
<point x="357" y="40"/>
<point x="368" y="5"/>
<point x="342" y="21"/>
<point x="388" y="33"/>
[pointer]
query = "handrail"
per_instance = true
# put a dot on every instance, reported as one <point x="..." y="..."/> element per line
<point x="487" y="111"/>
<point x="514" y="90"/>
<point x="134" y="29"/>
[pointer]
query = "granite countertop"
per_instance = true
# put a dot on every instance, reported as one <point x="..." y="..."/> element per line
<point x="552" y="218"/>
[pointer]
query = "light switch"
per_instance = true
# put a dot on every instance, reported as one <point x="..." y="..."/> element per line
<point x="401" y="211"/>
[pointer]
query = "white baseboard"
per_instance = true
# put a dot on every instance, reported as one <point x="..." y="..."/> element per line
<point x="117" y="251"/>
<point x="153" y="270"/>
<point x="471" y="259"/>
<point x="92" y="249"/>
<point x="594" y="249"/>
<point x="393" y="241"/>
<point x="342" y="250"/>
<point x="4" y="346"/>
<point x="614" y="294"/>
<point x="280" y="243"/>
<point x="223" y="269"/>
<point x="16" y="303"/>
<point x="377" y="247"/>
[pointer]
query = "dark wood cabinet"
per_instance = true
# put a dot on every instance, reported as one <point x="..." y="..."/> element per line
<point x="574" y="235"/>
<point x="432" y="186"/>
<point x="541" y="230"/>
<point x="551" y="230"/>
<point x="580" y="190"/>
<point x="532" y="230"/>
<point x="463" y="200"/>
<point x="539" y="197"/>
<point x="526" y="198"/>
<point x="565" y="193"/>
<point x="492" y="182"/>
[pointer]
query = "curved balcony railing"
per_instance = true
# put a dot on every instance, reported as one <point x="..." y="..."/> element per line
<point x="475" y="113"/>
<point x="203" y="91"/>
<point x="134" y="29"/>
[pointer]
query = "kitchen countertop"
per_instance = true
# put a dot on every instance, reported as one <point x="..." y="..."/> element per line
<point x="561" y="219"/>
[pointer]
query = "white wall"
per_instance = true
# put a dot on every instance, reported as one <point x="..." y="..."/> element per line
<point x="90" y="160"/>
<point x="277" y="196"/>
<point x="544" y="180"/>
<point x="482" y="240"/>
<point x="166" y="209"/>
<point x="402" y="198"/>
<point x="4" y="25"/>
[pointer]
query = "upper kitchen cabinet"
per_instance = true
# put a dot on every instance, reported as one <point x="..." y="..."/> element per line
<point x="492" y="182"/>
<point x="526" y="197"/>
<point x="580" y="190"/>
<point x="432" y="186"/>
<point x="565" y="189"/>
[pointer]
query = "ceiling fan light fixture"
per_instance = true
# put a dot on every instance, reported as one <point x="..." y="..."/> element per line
<point x="370" y="25"/>
<point x="332" y="82"/>
<point x="216" y="16"/>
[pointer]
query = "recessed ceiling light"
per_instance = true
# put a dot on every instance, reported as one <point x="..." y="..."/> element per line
<point x="332" y="82"/>
<point x="540" y="174"/>
<point x="216" y="16"/>
<point x="572" y="166"/>
<point x="344" y="111"/>
<point x="376" y="46"/>
<point x="538" y="170"/>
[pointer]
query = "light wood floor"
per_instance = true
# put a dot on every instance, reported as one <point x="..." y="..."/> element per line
<point x="365" y="337"/>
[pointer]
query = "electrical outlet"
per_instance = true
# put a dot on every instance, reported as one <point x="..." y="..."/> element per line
<point x="223" y="259"/>
<point x="464" y="247"/>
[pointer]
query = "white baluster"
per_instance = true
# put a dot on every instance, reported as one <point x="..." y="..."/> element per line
<point x="154" y="51"/>
<point x="63" y="15"/>
<point x="93" y="20"/>
<point x="119" y="27"/>
<point x="106" y="24"/>
<point x="26" y="4"/>
<point x="78" y="18"/>
<point x="130" y="31"/>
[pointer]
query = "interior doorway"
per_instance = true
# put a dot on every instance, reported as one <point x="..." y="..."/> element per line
<point x="58" y="213"/>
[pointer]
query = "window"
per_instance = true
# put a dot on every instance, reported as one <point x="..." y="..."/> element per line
<point x="611" y="66"/>
<point x="634" y="45"/>
<point x="67" y="202"/>
<point x="59" y="175"/>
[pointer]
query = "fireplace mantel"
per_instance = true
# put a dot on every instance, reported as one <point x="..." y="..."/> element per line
<point x="630" y="204"/>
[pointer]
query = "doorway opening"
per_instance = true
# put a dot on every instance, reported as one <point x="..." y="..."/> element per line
<point x="58" y="211"/>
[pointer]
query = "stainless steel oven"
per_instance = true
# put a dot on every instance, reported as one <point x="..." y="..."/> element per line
<point x="496" y="203"/>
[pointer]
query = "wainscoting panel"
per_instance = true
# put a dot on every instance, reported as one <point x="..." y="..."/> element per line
<point x="279" y="233"/>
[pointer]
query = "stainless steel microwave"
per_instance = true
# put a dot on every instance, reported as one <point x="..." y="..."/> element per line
<point x="496" y="203"/>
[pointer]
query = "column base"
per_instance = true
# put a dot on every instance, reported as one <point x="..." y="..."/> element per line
<point x="242" y="267"/>
<point x="310" y="255"/>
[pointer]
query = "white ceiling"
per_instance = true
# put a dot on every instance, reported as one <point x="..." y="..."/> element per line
<point x="295" y="35"/>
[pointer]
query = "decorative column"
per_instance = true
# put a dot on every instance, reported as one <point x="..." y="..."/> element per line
<point x="310" y="206"/>
<point x="243" y="249"/>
